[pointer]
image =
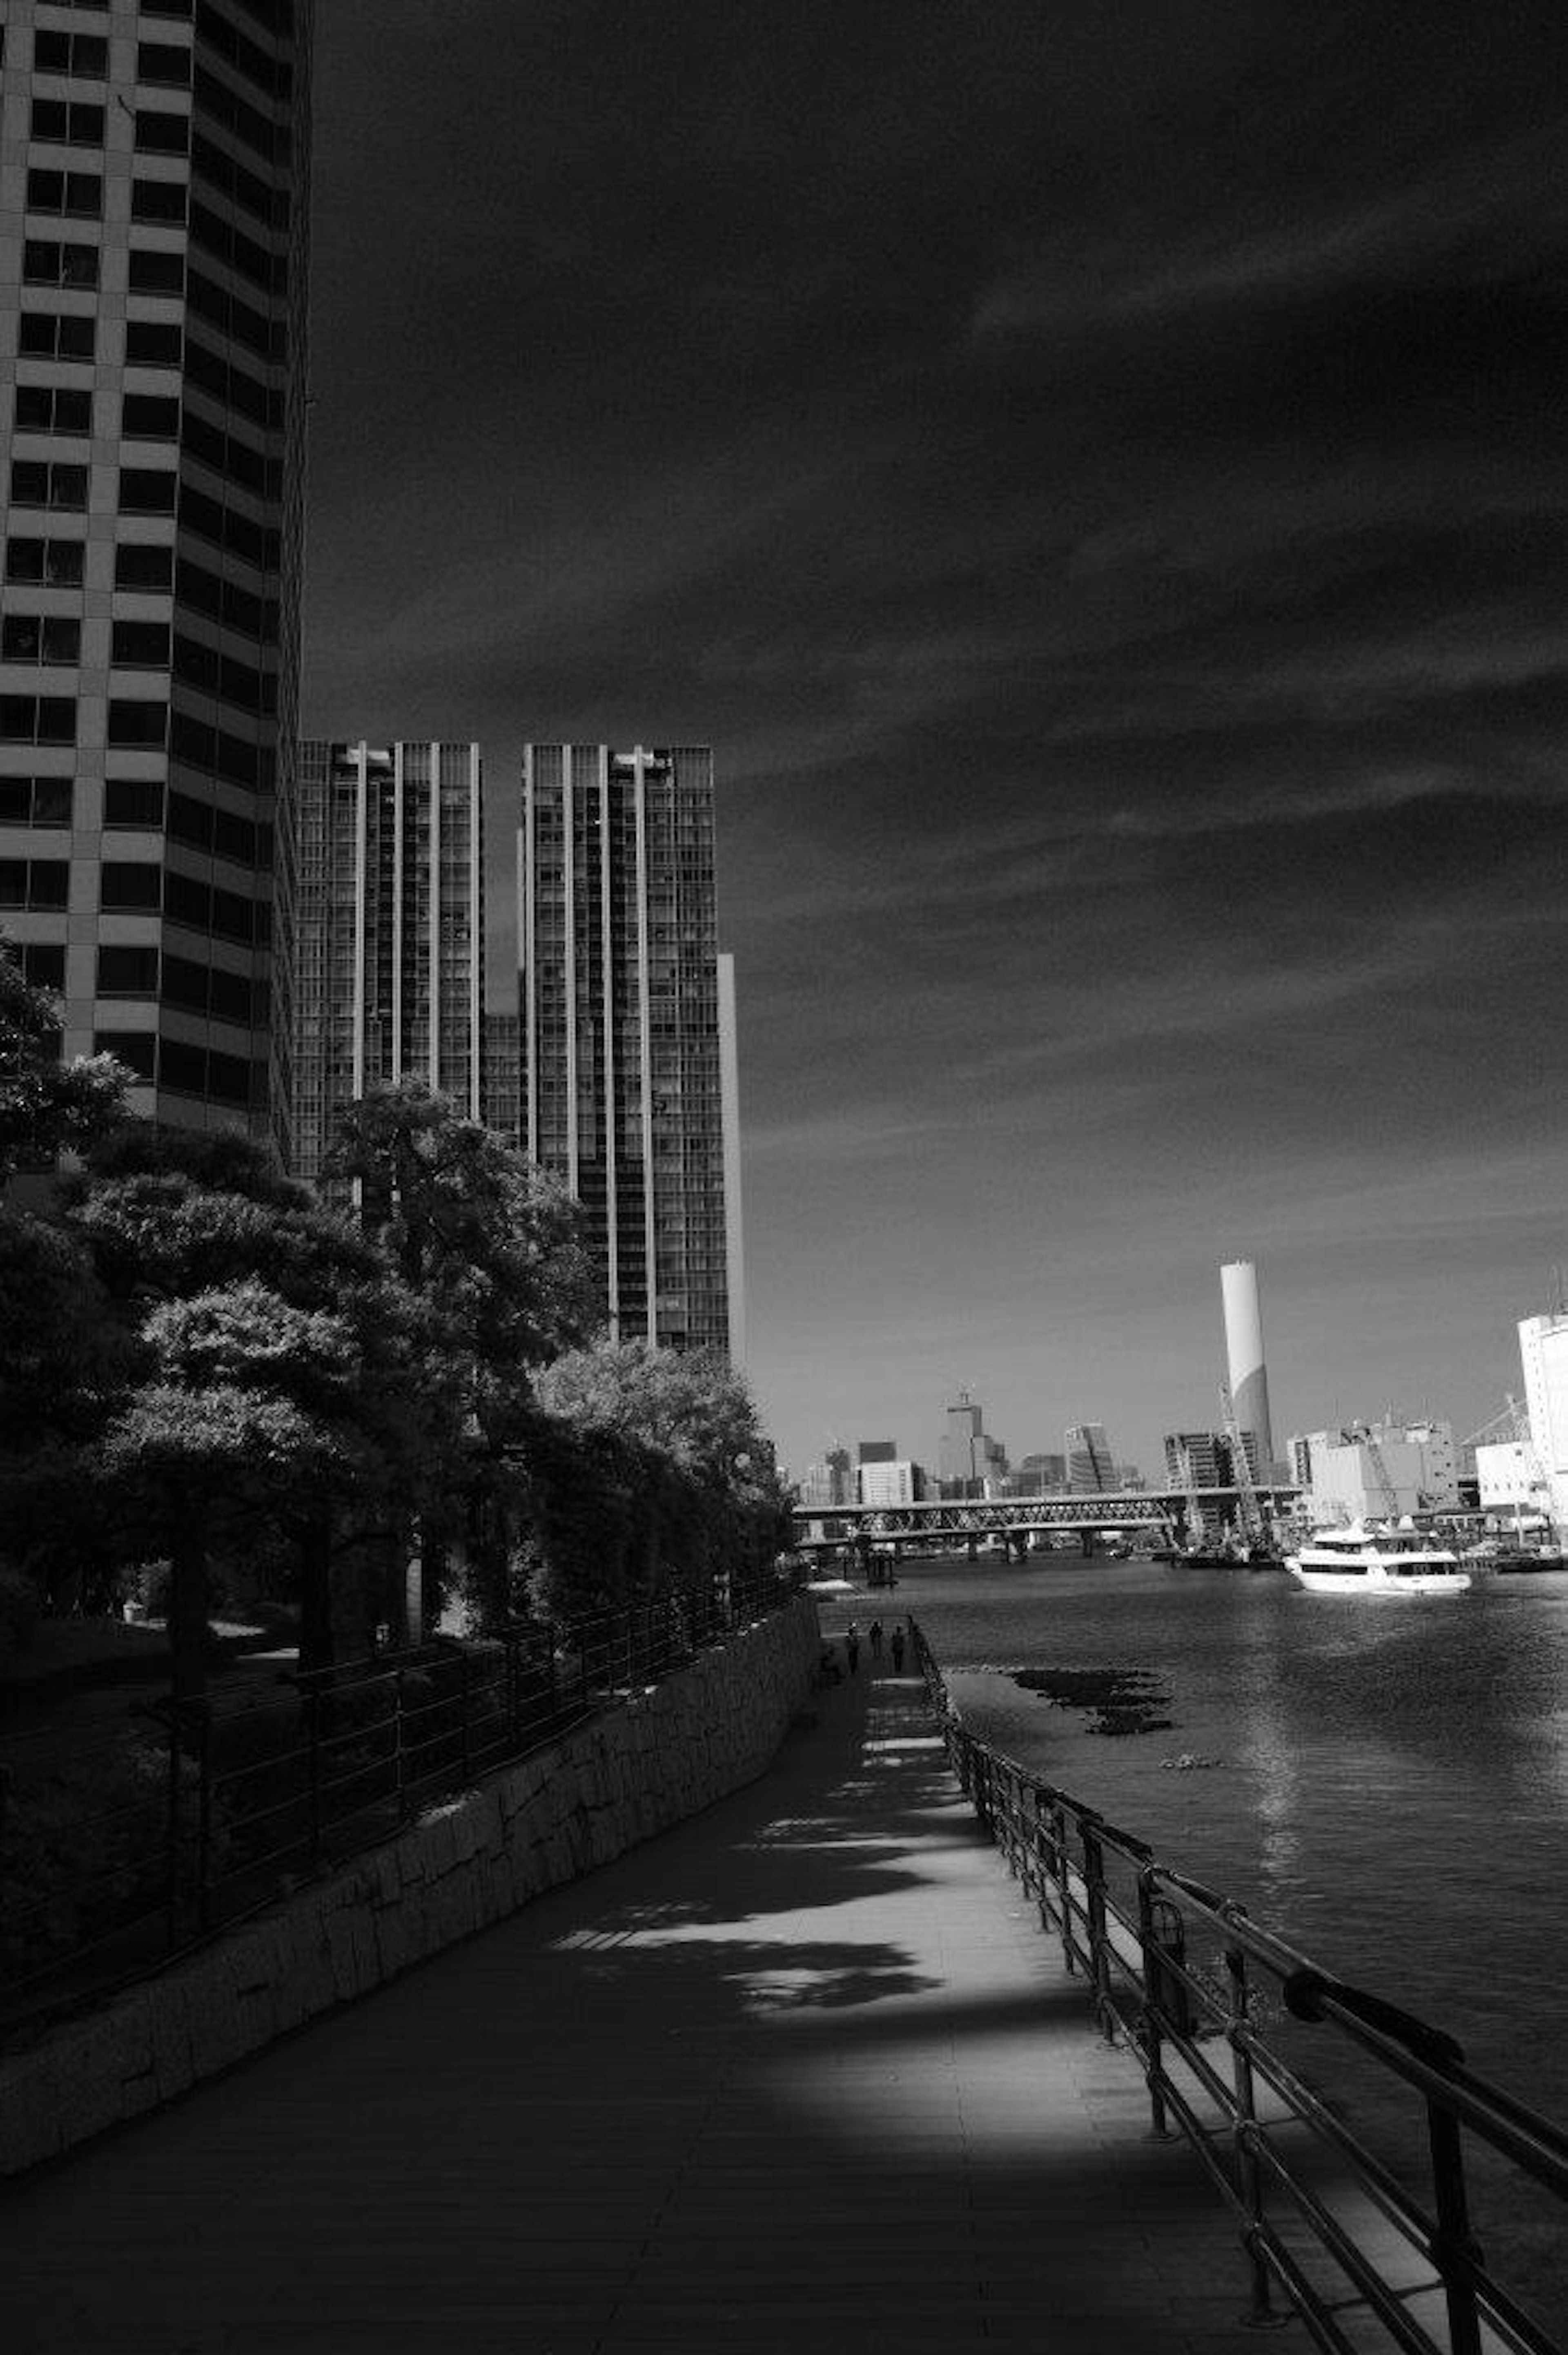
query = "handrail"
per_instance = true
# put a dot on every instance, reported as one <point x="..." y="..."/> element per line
<point x="1266" y="2155"/>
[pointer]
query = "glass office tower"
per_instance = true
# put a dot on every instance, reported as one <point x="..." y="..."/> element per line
<point x="154" y="179"/>
<point x="627" y="1067"/>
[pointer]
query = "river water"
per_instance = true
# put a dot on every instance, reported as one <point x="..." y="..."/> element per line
<point x="1384" y="1778"/>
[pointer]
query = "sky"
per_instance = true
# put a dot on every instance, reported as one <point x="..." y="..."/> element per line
<point x="1095" y="473"/>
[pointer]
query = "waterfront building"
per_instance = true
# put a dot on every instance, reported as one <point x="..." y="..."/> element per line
<point x="1037" y="1476"/>
<point x="1090" y="1468"/>
<point x="387" y="929"/>
<point x="1544" y="1347"/>
<point x="1376" y="1469"/>
<point x="153" y="246"/>
<point x="1248" y="1375"/>
<point x="1511" y="1481"/>
<point x="967" y="1461"/>
<point x="628" y="1079"/>
<point x="1206" y="1459"/>
<point x="899" y="1482"/>
<point x="500" y="1097"/>
<point x="830" y="1482"/>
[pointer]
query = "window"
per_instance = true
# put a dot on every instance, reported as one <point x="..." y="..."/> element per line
<point x="141" y="646"/>
<point x="124" y="971"/>
<point x="149" y="417"/>
<point x="153" y="271"/>
<point x="163" y="61"/>
<point x="158" y="200"/>
<point x="34" y="801"/>
<point x="66" y="122"/>
<point x="47" y="261"/>
<point x="57" y="562"/>
<point x="133" y="800"/>
<point x="53" y="409"/>
<point x="37" y="720"/>
<point x="183" y="1067"/>
<point x="161" y="133"/>
<point x="131" y="721"/>
<point x="71" y="53"/>
<point x="39" y="638"/>
<point x="131" y="886"/>
<point x="77" y="195"/>
<point x="35" y="883"/>
<point x="139" y="567"/>
<point x="41" y="483"/>
<point x="138" y="1050"/>
<point x="56" y="336"/>
<point x="43" y="963"/>
<point x="149" y="343"/>
<point x="147" y="490"/>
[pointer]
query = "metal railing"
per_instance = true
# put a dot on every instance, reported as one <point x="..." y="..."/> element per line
<point x="1189" y="1983"/>
<point x="179" y="1818"/>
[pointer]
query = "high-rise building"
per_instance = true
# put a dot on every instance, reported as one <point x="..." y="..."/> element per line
<point x="1206" y="1459"/>
<point x="388" y="929"/>
<point x="1091" y="1470"/>
<point x="877" y="1451"/>
<point x="1243" y="1357"/>
<point x="967" y="1459"/>
<point x="627" y="1064"/>
<point x="154" y="169"/>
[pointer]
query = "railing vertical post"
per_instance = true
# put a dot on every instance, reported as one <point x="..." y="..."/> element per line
<point x="203" y="1715"/>
<point x="400" y="1757"/>
<point x="173" y="1826"/>
<point x="1064" y="1874"/>
<point x="1456" y="2252"/>
<point x="1099" y="1939"/>
<point x="1153" y="2003"/>
<point x="314" y="1769"/>
<point x="465" y="1696"/>
<point x="1249" y="2174"/>
<point x="513" y="1694"/>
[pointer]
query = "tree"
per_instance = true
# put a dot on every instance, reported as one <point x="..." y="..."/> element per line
<point x="46" y="1107"/>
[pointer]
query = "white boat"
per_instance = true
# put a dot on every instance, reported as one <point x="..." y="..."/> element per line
<point x="1363" y="1559"/>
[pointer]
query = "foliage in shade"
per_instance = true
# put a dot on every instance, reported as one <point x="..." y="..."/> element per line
<point x="46" y="1107"/>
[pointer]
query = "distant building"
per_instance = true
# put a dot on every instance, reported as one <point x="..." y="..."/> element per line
<point x="1090" y="1468"/>
<point x="387" y="929"/>
<point x="830" y="1482"/>
<point x="1205" y="1459"/>
<point x="1037" y="1476"/>
<point x="1543" y="1346"/>
<point x="1128" y="1477"/>
<point x="499" y="1076"/>
<point x="967" y="1461"/>
<point x="1377" y="1470"/>
<point x="877" y="1451"/>
<point x="892" y="1483"/>
<point x="627" y="1064"/>
<point x="1510" y="1480"/>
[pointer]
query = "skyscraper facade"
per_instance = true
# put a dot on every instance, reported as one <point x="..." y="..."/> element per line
<point x="386" y="932"/>
<point x="625" y="1052"/>
<point x="1091" y="1470"/>
<point x="154" y="179"/>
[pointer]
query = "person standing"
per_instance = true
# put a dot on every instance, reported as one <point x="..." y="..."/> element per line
<point x="852" y="1648"/>
<point x="898" y="1651"/>
<point x="875" y="1632"/>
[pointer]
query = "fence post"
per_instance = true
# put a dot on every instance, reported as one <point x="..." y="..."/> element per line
<point x="1095" y="1906"/>
<point x="173" y="1827"/>
<point x="399" y="1762"/>
<point x="202" y="1712"/>
<point x="1153" y="2003"/>
<point x="1063" y="1875"/>
<point x="1456" y="2252"/>
<point x="465" y="1730"/>
<point x="1249" y="2174"/>
<point x="314" y="1769"/>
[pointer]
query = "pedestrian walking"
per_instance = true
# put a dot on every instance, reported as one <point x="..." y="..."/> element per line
<point x="898" y="1651"/>
<point x="876" y="1639"/>
<point x="852" y="1648"/>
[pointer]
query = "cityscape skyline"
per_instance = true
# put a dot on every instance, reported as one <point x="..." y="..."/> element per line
<point x="1099" y="494"/>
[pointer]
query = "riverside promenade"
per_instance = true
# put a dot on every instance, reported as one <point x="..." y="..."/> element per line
<point x="800" y="2074"/>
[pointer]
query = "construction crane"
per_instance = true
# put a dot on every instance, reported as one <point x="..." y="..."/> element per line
<point x="1249" y="1512"/>
<point x="1381" y="1474"/>
<point x="1197" y="1530"/>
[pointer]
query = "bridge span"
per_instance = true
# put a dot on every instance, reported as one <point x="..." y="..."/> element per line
<point x="1163" y="1513"/>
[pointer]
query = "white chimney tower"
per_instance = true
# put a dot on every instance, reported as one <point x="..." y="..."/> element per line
<point x="1243" y="1353"/>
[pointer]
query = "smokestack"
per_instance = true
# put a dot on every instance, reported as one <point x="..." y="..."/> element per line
<point x="1243" y="1353"/>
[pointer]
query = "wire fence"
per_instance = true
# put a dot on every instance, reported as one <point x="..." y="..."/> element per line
<point x="1368" y="2253"/>
<point x="121" y="1851"/>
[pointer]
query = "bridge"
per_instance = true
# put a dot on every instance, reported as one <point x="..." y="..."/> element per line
<point x="1164" y="1512"/>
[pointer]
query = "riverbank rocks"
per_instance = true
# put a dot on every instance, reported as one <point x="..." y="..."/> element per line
<point x="663" y="1753"/>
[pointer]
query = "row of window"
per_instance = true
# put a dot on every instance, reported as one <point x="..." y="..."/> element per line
<point x="133" y="887"/>
<point x="144" y="415"/>
<point x="62" y="488"/>
<point x="144" y="804"/>
<point x="149" y="569"/>
<point x="161" y="1062"/>
<point x="35" y="801"/>
<point x="134" y="725"/>
<point x="127" y="971"/>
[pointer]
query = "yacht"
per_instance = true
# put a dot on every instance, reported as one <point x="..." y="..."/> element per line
<point x="1363" y="1559"/>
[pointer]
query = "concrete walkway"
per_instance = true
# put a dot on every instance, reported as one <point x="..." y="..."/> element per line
<point x="800" y="2075"/>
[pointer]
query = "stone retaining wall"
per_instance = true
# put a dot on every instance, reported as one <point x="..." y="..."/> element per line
<point x="664" y="1756"/>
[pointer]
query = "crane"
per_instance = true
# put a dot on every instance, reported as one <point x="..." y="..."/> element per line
<point x="1381" y="1474"/>
<point x="1249" y="1512"/>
